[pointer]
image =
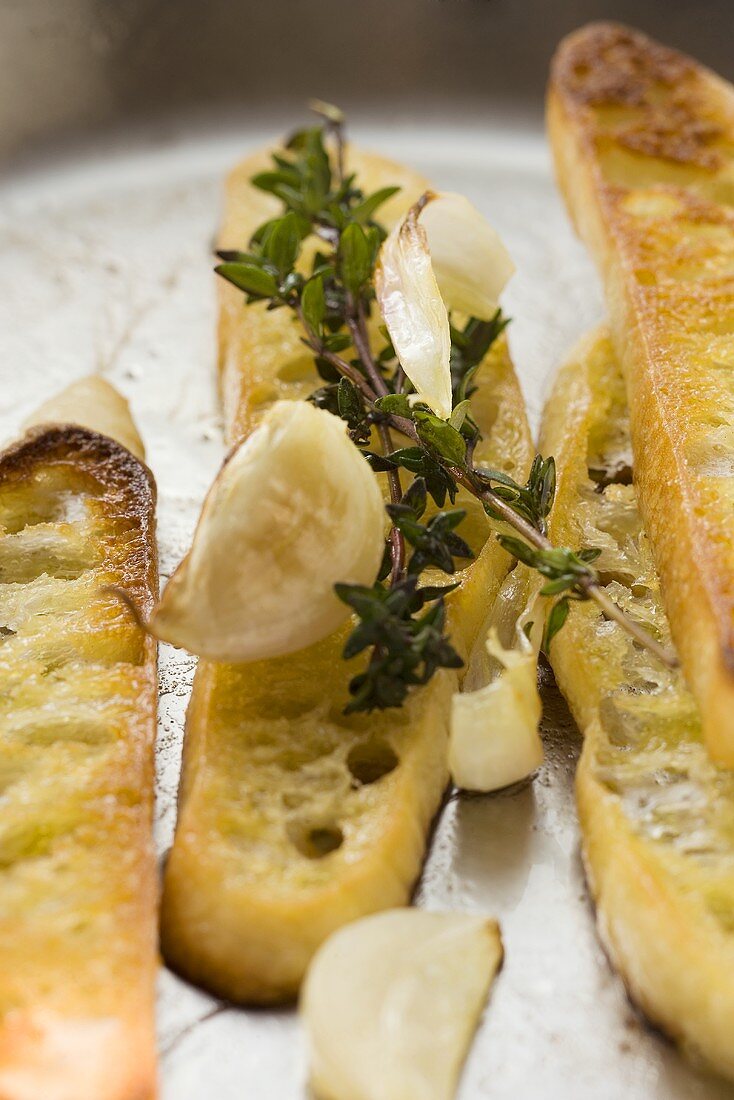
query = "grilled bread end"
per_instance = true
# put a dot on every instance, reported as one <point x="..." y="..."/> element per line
<point x="78" y="886"/>
<point x="643" y="140"/>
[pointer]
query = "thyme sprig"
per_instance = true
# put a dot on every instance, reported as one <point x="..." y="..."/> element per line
<point x="399" y="620"/>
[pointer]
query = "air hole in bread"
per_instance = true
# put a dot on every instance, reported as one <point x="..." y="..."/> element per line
<point x="645" y="277"/>
<point x="615" y="471"/>
<point x="608" y="576"/>
<point x="371" y="760"/>
<point x="314" y="841"/>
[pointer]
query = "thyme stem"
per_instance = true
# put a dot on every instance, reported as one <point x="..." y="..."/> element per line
<point x="358" y="328"/>
<point x="357" y="325"/>
<point x="614" y="611"/>
<point x="397" y="542"/>
<point x="336" y="128"/>
<point x="336" y="361"/>
<point x="594" y="590"/>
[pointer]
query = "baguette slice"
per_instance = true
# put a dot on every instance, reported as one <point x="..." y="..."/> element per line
<point x="643" y="140"/>
<point x="77" y="723"/>
<point x="294" y="819"/>
<point x="657" y="815"/>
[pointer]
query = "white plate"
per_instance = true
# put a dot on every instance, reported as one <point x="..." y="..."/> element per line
<point x="105" y="263"/>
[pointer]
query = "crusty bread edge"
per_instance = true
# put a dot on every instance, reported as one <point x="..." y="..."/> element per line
<point x="657" y="941"/>
<point x="43" y="1053"/>
<point x="699" y="622"/>
<point x="654" y="938"/>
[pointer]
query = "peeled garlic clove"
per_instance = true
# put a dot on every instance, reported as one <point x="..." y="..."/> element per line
<point x="294" y="510"/>
<point x="470" y="262"/>
<point x="494" y="731"/>
<point x="391" y="1002"/>
<point x="414" y="312"/>
<point x="92" y="403"/>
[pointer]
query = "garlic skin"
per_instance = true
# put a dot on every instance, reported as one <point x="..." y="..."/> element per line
<point x="391" y="1002"/>
<point x="294" y="510"/>
<point x="443" y="255"/>
<point x="414" y="312"/>
<point x="494" y="739"/>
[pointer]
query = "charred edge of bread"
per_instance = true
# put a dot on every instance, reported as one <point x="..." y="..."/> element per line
<point x="610" y="65"/>
<point x="44" y="1053"/>
<point x="107" y="462"/>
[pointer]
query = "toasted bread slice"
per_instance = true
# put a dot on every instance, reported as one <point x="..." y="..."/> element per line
<point x="643" y="140"/>
<point x="77" y="723"/>
<point x="294" y="819"/>
<point x="657" y="815"/>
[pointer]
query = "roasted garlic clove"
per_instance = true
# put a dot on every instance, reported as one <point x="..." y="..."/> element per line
<point x="294" y="510"/>
<point x="391" y="1002"/>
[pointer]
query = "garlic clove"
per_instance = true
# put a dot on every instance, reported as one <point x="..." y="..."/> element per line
<point x="391" y="1002"/>
<point x="414" y="312"/>
<point x="294" y="510"/>
<point x="494" y="739"/>
<point x="494" y="731"/>
<point x="443" y="255"/>
<point x="470" y="261"/>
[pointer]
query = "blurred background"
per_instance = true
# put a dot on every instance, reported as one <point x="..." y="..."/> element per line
<point x="72" y="66"/>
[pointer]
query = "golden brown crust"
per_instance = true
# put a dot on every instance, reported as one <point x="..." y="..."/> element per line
<point x="672" y="955"/>
<point x="609" y="65"/>
<point x="116" y="465"/>
<point x="642" y="146"/>
<point x="78" y="887"/>
<point x="243" y="910"/>
<point x="125" y="479"/>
